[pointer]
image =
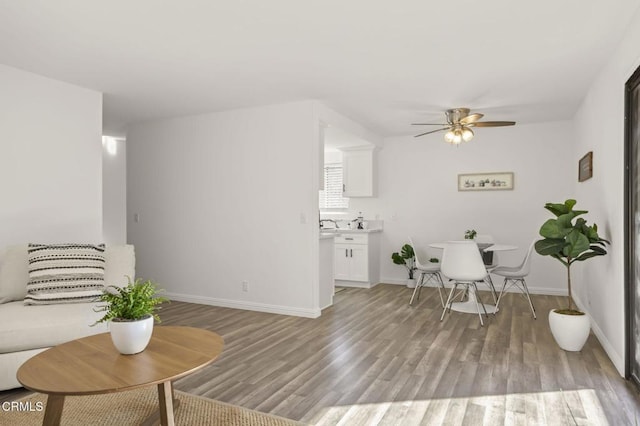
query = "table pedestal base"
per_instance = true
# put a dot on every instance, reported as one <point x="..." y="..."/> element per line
<point x="470" y="307"/>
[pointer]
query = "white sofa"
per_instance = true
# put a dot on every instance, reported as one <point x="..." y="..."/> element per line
<point x="26" y="330"/>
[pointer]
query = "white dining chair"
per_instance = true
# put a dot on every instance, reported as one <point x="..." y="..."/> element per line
<point x="462" y="263"/>
<point x="428" y="272"/>
<point x="485" y="241"/>
<point x="514" y="276"/>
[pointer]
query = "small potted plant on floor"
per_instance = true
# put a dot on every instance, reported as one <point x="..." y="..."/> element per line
<point x="569" y="239"/>
<point x="406" y="258"/>
<point x="131" y="311"/>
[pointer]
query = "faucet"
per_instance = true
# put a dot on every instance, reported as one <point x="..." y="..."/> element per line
<point x="359" y="220"/>
<point x="328" y="220"/>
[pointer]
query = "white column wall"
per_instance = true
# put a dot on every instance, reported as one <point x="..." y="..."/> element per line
<point x="224" y="198"/>
<point x="114" y="192"/>
<point x="51" y="162"/>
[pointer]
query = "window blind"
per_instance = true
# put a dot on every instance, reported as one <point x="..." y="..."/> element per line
<point x="331" y="197"/>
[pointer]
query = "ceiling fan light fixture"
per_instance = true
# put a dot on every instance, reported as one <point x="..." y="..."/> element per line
<point x="458" y="125"/>
<point x="457" y="136"/>
<point x="467" y="134"/>
<point x="454" y="136"/>
<point x="449" y="137"/>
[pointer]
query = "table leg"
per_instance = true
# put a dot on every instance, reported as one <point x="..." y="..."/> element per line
<point x="53" y="412"/>
<point x="159" y="416"/>
<point x="165" y="395"/>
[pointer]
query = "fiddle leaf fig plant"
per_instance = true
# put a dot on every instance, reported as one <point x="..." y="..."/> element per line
<point x="406" y="257"/>
<point x="569" y="239"/>
<point x="133" y="302"/>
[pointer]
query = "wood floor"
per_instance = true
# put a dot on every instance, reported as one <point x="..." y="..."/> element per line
<point x="373" y="359"/>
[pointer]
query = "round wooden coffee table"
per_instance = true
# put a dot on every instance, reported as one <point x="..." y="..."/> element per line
<point x="92" y="365"/>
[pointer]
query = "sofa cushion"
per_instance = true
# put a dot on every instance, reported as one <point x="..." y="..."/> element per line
<point x="65" y="273"/>
<point x="14" y="273"/>
<point x="120" y="265"/>
<point x="31" y="327"/>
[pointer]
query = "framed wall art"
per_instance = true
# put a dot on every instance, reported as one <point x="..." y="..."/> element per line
<point x="585" y="167"/>
<point x="485" y="181"/>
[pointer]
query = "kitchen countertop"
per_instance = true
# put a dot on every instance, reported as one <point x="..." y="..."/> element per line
<point x="348" y="231"/>
<point x="326" y="235"/>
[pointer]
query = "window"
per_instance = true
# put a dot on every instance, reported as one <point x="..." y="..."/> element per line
<point x="331" y="197"/>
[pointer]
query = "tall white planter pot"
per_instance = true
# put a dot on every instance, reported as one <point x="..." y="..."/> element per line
<point x="570" y="331"/>
<point x="131" y="337"/>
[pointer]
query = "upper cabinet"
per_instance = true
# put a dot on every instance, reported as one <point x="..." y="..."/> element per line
<point x="358" y="171"/>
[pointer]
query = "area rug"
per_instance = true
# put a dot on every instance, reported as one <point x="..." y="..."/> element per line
<point x="133" y="407"/>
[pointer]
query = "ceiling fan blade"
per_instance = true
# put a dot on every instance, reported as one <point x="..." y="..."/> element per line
<point x="433" y="131"/>
<point x="491" y="123"/>
<point x="429" y="124"/>
<point x="472" y="118"/>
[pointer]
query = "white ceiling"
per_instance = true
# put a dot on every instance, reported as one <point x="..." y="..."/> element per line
<point x="383" y="64"/>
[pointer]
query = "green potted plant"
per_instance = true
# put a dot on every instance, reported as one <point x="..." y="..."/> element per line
<point x="406" y="258"/>
<point x="470" y="234"/>
<point x="569" y="239"/>
<point x="131" y="311"/>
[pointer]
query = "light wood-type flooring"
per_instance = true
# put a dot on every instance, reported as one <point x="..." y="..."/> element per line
<point x="373" y="359"/>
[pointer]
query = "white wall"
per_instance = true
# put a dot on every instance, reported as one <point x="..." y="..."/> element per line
<point x="418" y="193"/>
<point x="114" y="191"/>
<point x="51" y="161"/>
<point x="221" y="199"/>
<point x="344" y="124"/>
<point x="599" y="126"/>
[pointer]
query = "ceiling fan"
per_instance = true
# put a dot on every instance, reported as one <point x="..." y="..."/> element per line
<point x="459" y="124"/>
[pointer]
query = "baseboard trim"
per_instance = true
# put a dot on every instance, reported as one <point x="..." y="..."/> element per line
<point x="538" y="290"/>
<point x="498" y="285"/>
<point x="354" y="284"/>
<point x="247" y="306"/>
<point x="614" y="356"/>
<point x="394" y="281"/>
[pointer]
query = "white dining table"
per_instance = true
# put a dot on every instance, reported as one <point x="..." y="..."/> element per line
<point x="501" y="247"/>
<point x="470" y="306"/>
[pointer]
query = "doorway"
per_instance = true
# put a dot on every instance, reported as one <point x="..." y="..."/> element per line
<point x="632" y="226"/>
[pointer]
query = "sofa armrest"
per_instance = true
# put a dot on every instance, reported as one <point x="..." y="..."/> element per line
<point x="14" y="273"/>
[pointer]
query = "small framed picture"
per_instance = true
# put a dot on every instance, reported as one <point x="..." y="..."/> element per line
<point x="485" y="181"/>
<point x="585" y="167"/>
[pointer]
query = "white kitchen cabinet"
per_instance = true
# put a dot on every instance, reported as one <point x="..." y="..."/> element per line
<point x="358" y="172"/>
<point x="350" y="262"/>
<point x="356" y="260"/>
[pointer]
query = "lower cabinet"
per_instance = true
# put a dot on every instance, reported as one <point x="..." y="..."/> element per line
<point x="356" y="260"/>
<point x="351" y="262"/>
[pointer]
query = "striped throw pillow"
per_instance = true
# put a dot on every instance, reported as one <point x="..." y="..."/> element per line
<point x="65" y="273"/>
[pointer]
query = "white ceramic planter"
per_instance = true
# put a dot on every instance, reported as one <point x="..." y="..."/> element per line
<point x="570" y="331"/>
<point x="411" y="283"/>
<point x="131" y="337"/>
